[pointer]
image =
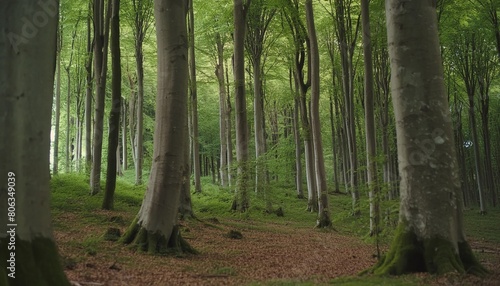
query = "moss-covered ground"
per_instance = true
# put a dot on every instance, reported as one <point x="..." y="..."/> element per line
<point x="273" y="250"/>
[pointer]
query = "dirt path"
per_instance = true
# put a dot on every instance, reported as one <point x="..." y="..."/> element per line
<point x="267" y="252"/>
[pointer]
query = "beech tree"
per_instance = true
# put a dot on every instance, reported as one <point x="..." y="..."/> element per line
<point x="116" y="105"/>
<point x="319" y="161"/>
<point x="28" y="53"/>
<point x="193" y="92"/>
<point x="242" y="137"/>
<point x="155" y="228"/>
<point x="142" y="15"/>
<point x="101" y="36"/>
<point x="430" y="235"/>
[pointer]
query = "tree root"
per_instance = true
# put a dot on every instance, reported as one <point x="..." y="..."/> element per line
<point x="156" y="243"/>
<point x="436" y="255"/>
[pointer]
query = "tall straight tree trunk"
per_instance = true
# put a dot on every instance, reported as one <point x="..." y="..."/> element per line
<point x="296" y="137"/>
<point x="230" y="175"/>
<point x="142" y="22"/>
<point x="194" y="100"/>
<point x="477" y="155"/>
<point x="260" y="141"/>
<point x="55" y="158"/>
<point x="257" y="23"/>
<point x="155" y="227"/>
<point x="334" y="146"/>
<point x="26" y="92"/>
<point x="430" y="235"/>
<point x="139" y="117"/>
<point x="370" y="121"/>
<point x="241" y="201"/>
<point x="321" y="186"/>
<point x="101" y="36"/>
<point x="88" y="96"/>
<point x="69" y="148"/>
<point x="312" y="195"/>
<point x="185" y="203"/>
<point x="124" y="136"/>
<point x="347" y="42"/>
<point x="219" y="72"/>
<point x="116" y="105"/>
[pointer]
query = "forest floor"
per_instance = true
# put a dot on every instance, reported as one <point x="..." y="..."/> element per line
<point x="272" y="251"/>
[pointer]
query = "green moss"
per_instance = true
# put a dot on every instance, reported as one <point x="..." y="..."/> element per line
<point x="37" y="263"/>
<point x="470" y="263"/>
<point x="434" y="255"/>
<point x="155" y="242"/>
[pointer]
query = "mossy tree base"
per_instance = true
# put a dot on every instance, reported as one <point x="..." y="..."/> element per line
<point x="324" y="220"/>
<point x="36" y="263"/>
<point x="154" y="242"/>
<point x="436" y="255"/>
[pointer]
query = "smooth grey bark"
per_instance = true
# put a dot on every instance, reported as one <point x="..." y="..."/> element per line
<point x="296" y="137"/>
<point x="55" y="154"/>
<point x="241" y="201"/>
<point x="194" y="101"/>
<point x="230" y="175"/>
<point x="258" y="22"/>
<point x="124" y="136"/>
<point x="155" y="228"/>
<point x="324" y="220"/>
<point x="430" y="235"/>
<point x="347" y="38"/>
<point x="88" y="96"/>
<point x="114" y="116"/>
<point x="219" y="72"/>
<point x="67" y="68"/>
<point x="28" y="55"/>
<point x="185" y="203"/>
<point x="370" y="121"/>
<point x="302" y="54"/>
<point x="142" y="15"/>
<point x="101" y="37"/>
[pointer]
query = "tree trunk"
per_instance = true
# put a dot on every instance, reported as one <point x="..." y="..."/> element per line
<point x="101" y="36"/>
<point x="69" y="121"/>
<point x="347" y="43"/>
<point x="124" y="136"/>
<point x="230" y="175"/>
<point x="155" y="228"/>
<point x="185" y="203"/>
<point x="260" y="141"/>
<point x="477" y="155"/>
<point x="370" y="121"/>
<point x="116" y="105"/>
<point x="242" y="138"/>
<point x="321" y="186"/>
<point x="88" y="98"/>
<point x="430" y="235"/>
<point x="219" y="72"/>
<point x="27" y="76"/>
<point x="312" y="195"/>
<point x="334" y="147"/>
<point x="139" y="117"/>
<point x="194" y="100"/>
<point x="296" y="137"/>
<point x="55" y="158"/>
